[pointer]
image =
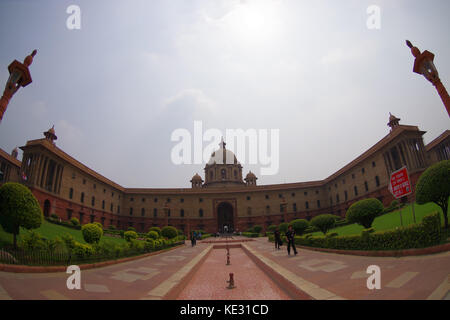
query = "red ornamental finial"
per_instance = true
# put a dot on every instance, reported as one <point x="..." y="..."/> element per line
<point x="29" y="59"/>
<point x="414" y="50"/>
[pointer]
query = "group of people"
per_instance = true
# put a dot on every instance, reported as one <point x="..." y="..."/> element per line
<point x="290" y="240"/>
<point x="195" y="236"/>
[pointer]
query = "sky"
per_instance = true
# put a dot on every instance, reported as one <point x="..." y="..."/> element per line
<point x="322" y="73"/>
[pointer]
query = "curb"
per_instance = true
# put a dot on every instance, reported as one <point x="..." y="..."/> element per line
<point x="385" y="253"/>
<point x="41" y="269"/>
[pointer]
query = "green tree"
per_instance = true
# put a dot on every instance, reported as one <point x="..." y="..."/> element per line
<point x="324" y="222"/>
<point x="364" y="212"/>
<point x="299" y="226"/>
<point x="434" y="186"/>
<point x="169" y="232"/>
<point x="152" y="235"/>
<point x="18" y="208"/>
<point x="92" y="233"/>
<point x="257" y="228"/>
<point x="156" y="229"/>
<point x="283" y="227"/>
<point x="130" y="235"/>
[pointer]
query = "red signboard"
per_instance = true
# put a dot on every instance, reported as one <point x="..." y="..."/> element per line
<point x="400" y="185"/>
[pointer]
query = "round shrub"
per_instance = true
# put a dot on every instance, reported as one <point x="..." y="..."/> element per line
<point x="156" y="229"/>
<point x="131" y="229"/>
<point x="92" y="233"/>
<point x="152" y="235"/>
<point x="299" y="226"/>
<point x="18" y="208"/>
<point x="324" y="222"/>
<point x="364" y="212"/>
<point x="257" y="229"/>
<point x="75" y="221"/>
<point x="99" y="225"/>
<point x="169" y="232"/>
<point x="83" y="251"/>
<point x="272" y="228"/>
<point x="130" y="235"/>
<point x="112" y="227"/>
<point x="32" y="241"/>
<point x="283" y="227"/>
<point x="434" y="186"/>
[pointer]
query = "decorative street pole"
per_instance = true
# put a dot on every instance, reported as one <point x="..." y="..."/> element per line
<point x="283" y="207"/>
<point x="423" y="64"/>
<point x="166" y="209"/>
<point x="19" y="76"/>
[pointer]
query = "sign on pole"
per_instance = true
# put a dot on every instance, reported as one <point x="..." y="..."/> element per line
<point x="400" y="184"/>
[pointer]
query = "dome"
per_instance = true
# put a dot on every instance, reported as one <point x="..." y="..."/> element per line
<point x="250" y="176"/>
<point x="197" y="177"/>
<point x="222" y="156"/>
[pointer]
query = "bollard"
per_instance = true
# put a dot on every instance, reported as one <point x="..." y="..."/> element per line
<point x="228" y="259"/>
<point x="231" y="282"/>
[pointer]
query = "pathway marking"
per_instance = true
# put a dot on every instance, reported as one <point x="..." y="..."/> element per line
<point x="131" y="275"/>
<point x="4" y="295"/>
<point x="401" y="280"/>
<point x="442" y="291"/>
<point x="325" y="265"/>
<point x="164" y="288"/>
<point x="359" y="275"/>
<point x="309" y="288"/>
<point x="53" y="295"/>
<point x="96" y="288"/>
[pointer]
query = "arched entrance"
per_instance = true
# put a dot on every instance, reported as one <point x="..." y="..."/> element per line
<point x="46" y="208"/>
<point x="225" y="217"/>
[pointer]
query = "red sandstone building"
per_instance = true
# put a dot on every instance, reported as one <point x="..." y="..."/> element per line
<point x="67" y="188"/>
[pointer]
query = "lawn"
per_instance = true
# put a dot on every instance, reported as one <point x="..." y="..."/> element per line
<point x="391" y="220"/>
<point x="50" y="231"/>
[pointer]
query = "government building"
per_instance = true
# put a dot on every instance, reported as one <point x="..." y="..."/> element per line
<point x="68" y="188"/>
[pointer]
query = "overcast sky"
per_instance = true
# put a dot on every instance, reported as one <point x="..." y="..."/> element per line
<point x="117" y="88"/>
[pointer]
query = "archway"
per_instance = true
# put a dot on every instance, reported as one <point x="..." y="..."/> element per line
<point x="46" y="208"/>
<point x="225" y="217"/>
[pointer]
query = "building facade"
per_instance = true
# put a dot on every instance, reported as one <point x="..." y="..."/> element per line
<point x="67" y="188"/>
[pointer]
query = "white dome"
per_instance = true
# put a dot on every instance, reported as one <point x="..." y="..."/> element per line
<point x="222" y="156"/>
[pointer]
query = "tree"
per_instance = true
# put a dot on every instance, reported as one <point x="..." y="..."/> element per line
<point x="92" y="233"/>
<point x="324" y="222"/>
<point x="257" y="229"/>
<point x="169" y="232"/>
<point x="364" y="212"/>
<point x="283" y="227"/>
<point x="299" y="225"/>
<point x="156" y="229"/>
<point x="130" y="235"/>
<point x="18" y="208"/>
<point x="434" y="186"/>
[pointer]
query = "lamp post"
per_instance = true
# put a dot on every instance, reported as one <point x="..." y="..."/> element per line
<point x="19" y="76"/>
<point x="283" y="207"/>
<point x="423" y="64"/>
<point x="166" y="209"/>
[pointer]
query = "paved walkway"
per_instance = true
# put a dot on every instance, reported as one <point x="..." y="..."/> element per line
<point x="320" y="275"/>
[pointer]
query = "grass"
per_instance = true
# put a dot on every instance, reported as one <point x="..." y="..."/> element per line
<point x="50" y="231"/>
<point x="391" y="220"/>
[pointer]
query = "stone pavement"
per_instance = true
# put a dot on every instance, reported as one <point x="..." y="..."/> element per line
<point x="320" y="275"/>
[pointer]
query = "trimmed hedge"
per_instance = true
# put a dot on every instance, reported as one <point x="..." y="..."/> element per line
<point x="425" y="234"/>
<point x="250" y="234"/>
<point x="421" y="235"/>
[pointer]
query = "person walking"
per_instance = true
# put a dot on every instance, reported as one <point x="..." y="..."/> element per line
<point x="195" y="238"/>
<point x="278" y="241"/>
<point x="290" y="238"/>
<point x="192" y="239"/>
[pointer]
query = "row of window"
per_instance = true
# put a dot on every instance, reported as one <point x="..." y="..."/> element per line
<point x="353" y="175"/>
<point x="93" y="201"/>
<point x="355" y="190"/>
<point x="155" y="212"/>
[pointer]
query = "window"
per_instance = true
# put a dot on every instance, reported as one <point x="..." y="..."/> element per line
<point x="143" y="199"/>
<point x="112" y="207"/>
<point x="248" y="197"/>
<point x="156" y="200"/>
<point x="168" y="213"/>
<point x="223" y="173"/>
<point x="280" y="196"/>
<point x="168" y="199"/>
<point x="249" y="211"/>
<point x="343" y="181"/>
<point x="306" y="205"/>
<point x="71" y="193"/>
<point x="366" y="186"/>
<point x="131" y="211"/>
<point x="377" y="181"/>
<point x="103" y="204"/>
<point x="373" y="164"/>
<point x="95" y="186"/>
<point x="182" y="213"/>
<point x="318" y="203"/>
<point x="294" y="207"/>
<point x="84" y="181"/>
<point x="317" y="191"/>
<point x="305" y="193"/>
<point x="353" y="176"/>
<point x="131" y="199"/>
<point x="267" y="209"/>
<point x="181" y="200"/>
<point x="337" y="198"/>
<point x="118" y="209"/>
<point x="235" y="174"/>
<point x="104" y="191"/>
<point x="200" y="213"/>
<point x="200" y="200"/>
<point x="356" y="190"/>
<point x="155" y="212"/>
<point x="82" y="197"/>
<point x="363" y="170"/>
<point x="93" y="201"/>
<point x="293" y="194"/>
<point x="346" y="195"/>
<point x="142" y="212"/>
<point x="267" y="196"/>
<point x="112" y="194"/>
<point x="92" y="218"/>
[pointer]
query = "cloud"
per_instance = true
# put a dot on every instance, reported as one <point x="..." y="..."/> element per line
<point x="190" y="103"/>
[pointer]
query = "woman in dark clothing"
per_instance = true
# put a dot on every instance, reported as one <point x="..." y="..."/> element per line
<point x="278" y="241"/>
<point x="290" y="238"/>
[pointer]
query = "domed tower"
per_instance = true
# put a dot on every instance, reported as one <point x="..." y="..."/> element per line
<point x="250" y="179"/>
<point x="50" y="135"/>
<point x="197" y="181"/>
<point x="15" y="153"/>
<point x="393" y="121"/>
<point x="223" y="169"/>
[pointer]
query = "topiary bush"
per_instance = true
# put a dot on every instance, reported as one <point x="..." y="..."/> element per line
<point x="324" y="222"/>
<point x="434" y="186"/>
<point x="82" y="251"/>
<point x="257" y="228"/>
<point x="152" y="235"/>
<point x="283" y="227"/>
<point x="32" y="240"/>
<point x="92" y="233"/>
<point x="169" y="232"/>
<point x="130" y="235"/>
<point x="75" y="221"/>
<point x="18" y="208"/>
<point x="364" y="212"/>
<point x="299" y="226"/>
<point x="272" y="228"/>
<point x="131" y="229"/>
<point x="156" y="229"/>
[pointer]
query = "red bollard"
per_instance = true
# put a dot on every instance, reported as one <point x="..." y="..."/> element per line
<point x="231" y="282"/>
